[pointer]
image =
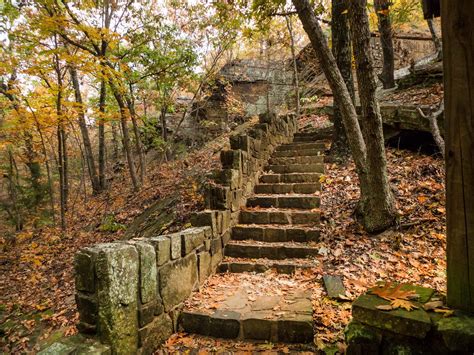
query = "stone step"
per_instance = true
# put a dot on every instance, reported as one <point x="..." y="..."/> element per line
<point x="297" y="153"/>
<point x="240" y="265"/>
<point x="290" y="178"/>
<point x="253" y="249"/>
<point x="310" y="159"/>
<point x="281" y="216"/>
<point x="306" y="139"/>
<point x="275" y="233"/>
<point x="284" y="201"/>
<point x="298" y="188"/>
<point x="296" y="168"/>
<point x="302" y="146"/>
<point x="230" y="310"/>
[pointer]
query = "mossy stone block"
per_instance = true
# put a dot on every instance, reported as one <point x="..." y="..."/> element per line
<point x="458" y="332"/>
<point x="414" y="323"/>
<point x="357" y="333"/>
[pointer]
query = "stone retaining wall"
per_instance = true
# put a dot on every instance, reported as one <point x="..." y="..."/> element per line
<point x="129" y="293"/>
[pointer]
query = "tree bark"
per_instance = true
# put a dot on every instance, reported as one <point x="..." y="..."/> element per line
<point x="342" y="50"/>
<point x="102" y="98"/>
<point x="89" y="155"/>
<point x="382" y="8"/>
<point x="124" y="115"/>
<point x="377" y="204"/>
<point x="458" y="58"/>
<point x="138" y="142"/>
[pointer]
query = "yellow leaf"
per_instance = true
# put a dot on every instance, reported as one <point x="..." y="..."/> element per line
<point x="422" y="199"/>
<point x="407" y="305"/>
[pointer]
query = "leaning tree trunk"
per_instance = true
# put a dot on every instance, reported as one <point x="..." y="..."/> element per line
<point x="372" y="220"/>
<point x="377" y="205"/>
<point x="336" y="82"/>
<point x="341" y="48"/>
<point x="124" y="113"/>
<point x="382" y="8"/>
<point x="88" y="153"/>
<point x="458" y="57"/>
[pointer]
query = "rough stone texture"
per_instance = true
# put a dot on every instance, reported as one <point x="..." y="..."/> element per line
<point x="155" y="334"/>
<point x="334" y="286"/>
<point x="458" y="332"/>
<point x="191" y="239"/>
<point x="301" y="202"/>
<point x="229" y="177"/>
<point x="84" y="269"/>
<point x="117" y="271"/>
<point x="361" y="339"/>
<point x="415" y="323"/>
<point x="177" y="280"/>
<point x="148" y="273"/>
<point x="76" y="344"/>
<point x="87" y="307"/>
<point x="269" y="250"/>
<point x="204" y="260"/>
<point x="162" y="246"/>
<point x="206" y="218"/>
<point x="285" y="318"/>
<point x="231" y="159"/>
<point x="175" y="240"/>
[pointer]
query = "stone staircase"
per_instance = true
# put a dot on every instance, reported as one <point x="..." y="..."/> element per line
<point x="275" y="236"/>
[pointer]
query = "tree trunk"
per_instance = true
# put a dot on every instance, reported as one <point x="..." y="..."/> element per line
<point x="115" y="140"/>
<point x="102" y="98"/>
<point x="296" y="82"/>
<point x="437" y="42"/>
<point x="377" y="204"/>
<point x="375" y="192"/>
<point x="341" y="48"/>
<point x="89" y="155"/>
<point x="124" y="115"/>
<point x="382" y="8"/>
<point x="336" y="82"/>
<point x="458" y="57"/>
<point x="48" y="169"/>
<point x="12" y="178"/>
<point x="138" y="142"/>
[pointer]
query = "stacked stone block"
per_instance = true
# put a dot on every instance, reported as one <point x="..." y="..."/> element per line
<point x="130" y="294"/>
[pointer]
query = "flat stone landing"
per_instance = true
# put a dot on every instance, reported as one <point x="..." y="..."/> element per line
<point x="265" y="306"/>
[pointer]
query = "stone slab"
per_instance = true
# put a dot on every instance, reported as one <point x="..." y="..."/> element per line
<point x="334" y="286"/>
<point x="177" y="280"/>
<point x="416" y="323"/>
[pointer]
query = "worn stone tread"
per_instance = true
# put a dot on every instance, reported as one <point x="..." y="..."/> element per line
<point x="296" y="168"/>
<point x="279" y="216"/>
<point x="282" y="188"/>
<point x="239" y="265"/>
<point x="290" y="178"/>
<point x="302" y="146"/>
<point x="253" y="249"/>
<point x="297" y="153"/>
<point x="275" y="233"/>
<point x="303" y="159"/>
<point x="237" y="314"/>
<point x="301" y="201"/>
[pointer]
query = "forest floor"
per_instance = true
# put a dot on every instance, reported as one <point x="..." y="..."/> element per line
<point x="36" y="274"/>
